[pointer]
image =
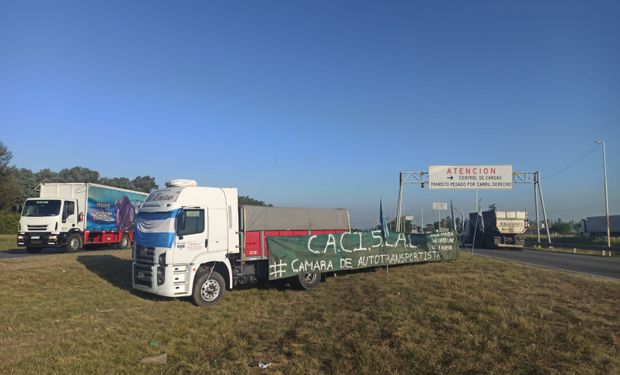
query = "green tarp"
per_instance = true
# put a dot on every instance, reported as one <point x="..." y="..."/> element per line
<point x="290" y="256"/>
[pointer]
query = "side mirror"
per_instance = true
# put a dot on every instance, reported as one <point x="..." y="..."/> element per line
<point x="180" y="223"/>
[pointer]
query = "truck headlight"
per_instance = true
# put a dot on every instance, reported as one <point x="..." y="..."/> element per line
<point x="161" y="276"/>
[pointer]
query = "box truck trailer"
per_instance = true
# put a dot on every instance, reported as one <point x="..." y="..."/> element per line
<point x="497" y="229"/>
<point x="197" y="242"/>
<point x="597" y="225"/>
<point x="72" y="215"/>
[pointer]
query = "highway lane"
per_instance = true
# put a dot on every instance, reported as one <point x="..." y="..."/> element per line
<point x="588" y="264"/>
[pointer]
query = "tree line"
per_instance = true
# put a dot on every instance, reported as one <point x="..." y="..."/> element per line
<point x="18" y="184"/>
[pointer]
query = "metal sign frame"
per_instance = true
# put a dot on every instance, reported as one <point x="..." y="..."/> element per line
<point x="518" y="177"/>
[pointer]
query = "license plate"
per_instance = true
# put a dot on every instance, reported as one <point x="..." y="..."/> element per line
<point x="35" y="237"/>
<point x="141" y="274"/>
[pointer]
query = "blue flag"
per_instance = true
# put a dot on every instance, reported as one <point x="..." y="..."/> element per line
<point x="384" y="229"/>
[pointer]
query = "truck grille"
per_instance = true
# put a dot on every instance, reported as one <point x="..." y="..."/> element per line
<point x="143" y="275"/>
<point x="145" y="255"/>
<point x="144" y="260"/>
<point x="37" y="227"/>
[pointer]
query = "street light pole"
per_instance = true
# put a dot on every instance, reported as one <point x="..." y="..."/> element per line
<point x="600" y="141"/>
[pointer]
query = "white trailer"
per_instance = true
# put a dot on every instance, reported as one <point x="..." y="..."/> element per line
<point x="71" y="215"/>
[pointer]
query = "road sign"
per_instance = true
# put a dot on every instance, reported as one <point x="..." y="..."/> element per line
<point x="440" y="206"/>
<point x="470" y="177"/>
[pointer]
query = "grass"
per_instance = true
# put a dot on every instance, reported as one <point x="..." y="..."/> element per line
<point x="8" y="241"/>
<point x="76" y="313"/>
<point x="575" y="240"/>
<point x="575" y="244"/>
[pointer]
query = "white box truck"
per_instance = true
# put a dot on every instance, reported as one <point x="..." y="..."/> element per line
<point x="71" y="215"/>
<point x="196" y="241"/>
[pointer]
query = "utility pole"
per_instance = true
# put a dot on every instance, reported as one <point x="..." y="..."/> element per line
<point x="423" y="220"/>
<point x="606" y="197"/>
<point x="400" y="200"/>
<point x="462" y="220"/>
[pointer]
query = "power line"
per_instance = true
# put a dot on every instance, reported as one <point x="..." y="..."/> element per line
<point x="571" y="164"/>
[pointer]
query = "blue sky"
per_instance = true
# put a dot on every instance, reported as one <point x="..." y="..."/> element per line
<point x="319" y="103"/>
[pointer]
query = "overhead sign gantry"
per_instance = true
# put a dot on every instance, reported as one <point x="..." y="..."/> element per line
<point x="473" y="177"/>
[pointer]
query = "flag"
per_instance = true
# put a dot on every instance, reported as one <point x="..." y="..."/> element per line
<point x="384" y="229"/>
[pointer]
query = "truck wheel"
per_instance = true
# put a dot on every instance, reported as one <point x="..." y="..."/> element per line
<point x="74" y="243"/>
<point x="34" y="250"/>
<point x="307" y="281"/>
<point x="125" y="243"/>
<point x="208" y="292"/>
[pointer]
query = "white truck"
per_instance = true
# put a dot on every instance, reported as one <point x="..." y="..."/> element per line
<point x="196" y="241"/>
<point x="498" y="229"/>
<point x="71" y="215"/>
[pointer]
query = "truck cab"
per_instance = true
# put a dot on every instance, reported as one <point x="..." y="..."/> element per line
<point x="184" y="234"/>
<point x="46" y="222"/>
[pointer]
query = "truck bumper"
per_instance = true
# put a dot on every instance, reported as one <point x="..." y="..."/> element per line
<point x="167" y="280"/>
<point x="41" y="239"/>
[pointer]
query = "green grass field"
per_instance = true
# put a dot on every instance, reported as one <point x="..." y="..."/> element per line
<point x="7" y="241"/>
<point x="575" y="240"/>
<point x="575" y="244"/>
<point x="76" y="313"/>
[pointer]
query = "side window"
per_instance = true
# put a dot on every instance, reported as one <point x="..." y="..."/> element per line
<point x="194" y="222"/>
<point x="69" y="208"/>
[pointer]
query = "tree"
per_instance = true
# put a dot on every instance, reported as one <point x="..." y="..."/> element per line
<point x="46" y="175"/>
<point x="249" y="201"/>
<point x="119" y="182"/>
<point x="78" y="174"/>
<point x="9" y="187"/>
<point x="561" y="228"/>
<point x="5" y="158"/>
<point x="28" y="183"/>
<point x="144" y="183"/>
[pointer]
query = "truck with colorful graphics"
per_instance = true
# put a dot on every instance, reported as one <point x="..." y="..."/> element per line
<point x="197" y="242"/>
<point x="72" y="215"/>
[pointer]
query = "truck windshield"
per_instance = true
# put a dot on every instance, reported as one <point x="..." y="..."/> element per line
<point x="41" y="208"/>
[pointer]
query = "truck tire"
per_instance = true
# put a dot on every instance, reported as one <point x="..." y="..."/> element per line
<point x="208" y="292"/>
<point x="306" y="281"/>
<point x="74" y="243"/>
<point x="34" y="250"/>
<point x="125" y="243"/>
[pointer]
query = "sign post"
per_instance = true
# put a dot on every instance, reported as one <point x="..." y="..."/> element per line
<point x="439" y="206"/>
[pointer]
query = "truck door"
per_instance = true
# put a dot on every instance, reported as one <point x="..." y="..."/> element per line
<point x="69" y="216"/>
<point x="218" y="229"/>
<point x="191" y="229"/>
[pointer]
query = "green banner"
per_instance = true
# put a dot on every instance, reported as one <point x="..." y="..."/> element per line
<point x="290" y="256"/>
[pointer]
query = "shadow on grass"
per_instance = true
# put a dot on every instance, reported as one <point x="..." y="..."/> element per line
<point x="44" y="251"/>
<point x="21" y="252"/>
<point x="114" y="270"/>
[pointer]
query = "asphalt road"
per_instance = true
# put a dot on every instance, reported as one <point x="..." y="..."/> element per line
<point x="588" y="264"/>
